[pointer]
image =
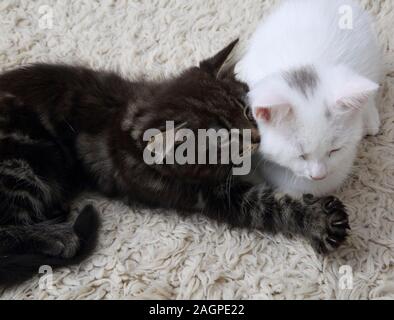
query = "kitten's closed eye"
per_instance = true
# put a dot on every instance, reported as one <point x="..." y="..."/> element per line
<point x="303" y="157"/>
<point x="332" y="152"/>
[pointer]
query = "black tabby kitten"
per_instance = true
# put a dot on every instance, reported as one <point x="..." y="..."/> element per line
<point x="64" y="128"/>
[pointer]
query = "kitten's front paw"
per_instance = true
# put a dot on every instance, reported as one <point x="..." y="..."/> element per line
<point x="327" y="224"/>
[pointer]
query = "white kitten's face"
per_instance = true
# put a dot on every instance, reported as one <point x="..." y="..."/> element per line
<point x="312" y="146"/>
<point x="310" y="120"/>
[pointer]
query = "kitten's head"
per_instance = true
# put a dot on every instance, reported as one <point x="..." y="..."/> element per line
<point x="311" y="118"/>
<point x="203" y="97"/>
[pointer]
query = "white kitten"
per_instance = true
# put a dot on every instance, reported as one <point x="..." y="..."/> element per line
<point x="313" y="68"/>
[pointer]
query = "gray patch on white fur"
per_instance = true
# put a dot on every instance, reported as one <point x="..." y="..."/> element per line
<point x="304" y="79"/>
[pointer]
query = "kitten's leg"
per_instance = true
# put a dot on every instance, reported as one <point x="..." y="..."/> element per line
<point x="52" y="238"/>
<point x="371" y="118"/>
<point x="324" y="222"/>
<point x="58" y="240"/>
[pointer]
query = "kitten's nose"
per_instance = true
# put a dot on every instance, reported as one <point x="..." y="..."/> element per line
<point x="318" y="170"/>
<point x="319" y="178"/>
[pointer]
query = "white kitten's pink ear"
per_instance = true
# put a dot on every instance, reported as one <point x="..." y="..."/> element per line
<point x="353" y="90"/>
<point x="268" y="105"/>
<point x="274" y="114"/>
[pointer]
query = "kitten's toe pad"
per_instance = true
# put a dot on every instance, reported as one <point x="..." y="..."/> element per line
<point x="329" y="225"/>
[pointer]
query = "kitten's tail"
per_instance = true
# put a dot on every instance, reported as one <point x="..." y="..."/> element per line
<point x="15" y="269"/>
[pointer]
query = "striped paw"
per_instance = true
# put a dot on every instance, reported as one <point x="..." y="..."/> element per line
<point x="328" y="223"/>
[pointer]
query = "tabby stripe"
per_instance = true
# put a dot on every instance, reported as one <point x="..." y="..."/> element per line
<point x="18" y="175"/>
<point x="22" y="199"/>
<point x="13" y="183"/>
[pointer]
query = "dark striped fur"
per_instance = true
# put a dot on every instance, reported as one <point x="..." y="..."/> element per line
<point x="64" y="129"/>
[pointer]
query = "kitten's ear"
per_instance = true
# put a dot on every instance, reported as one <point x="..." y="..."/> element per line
<point x="214" y="64"/>
<point x="352" y="90"/>
<point x="268" y="104"/>
<point x="274" y="114"/>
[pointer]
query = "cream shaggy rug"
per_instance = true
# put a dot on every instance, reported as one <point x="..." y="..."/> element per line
<point x="146" y="255"/>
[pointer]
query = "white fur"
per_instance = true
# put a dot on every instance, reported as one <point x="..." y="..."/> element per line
<point x="334" y="114"/>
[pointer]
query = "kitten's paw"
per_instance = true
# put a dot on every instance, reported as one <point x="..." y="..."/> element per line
<point x="328" y="223"/>
<point x="64" y="245"/>
<point x="52" y="240"/>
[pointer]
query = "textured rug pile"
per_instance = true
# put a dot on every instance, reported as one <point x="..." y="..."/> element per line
<point x="143" y="254"/>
